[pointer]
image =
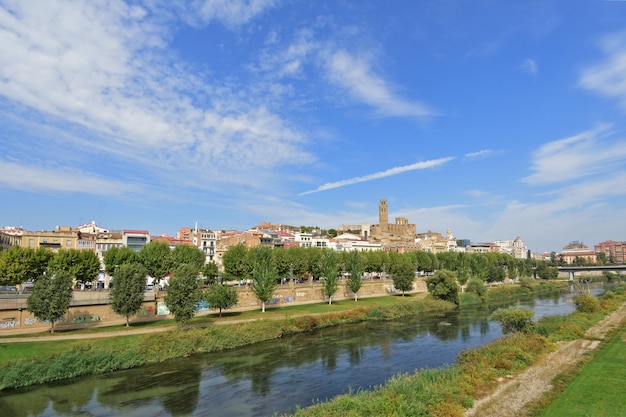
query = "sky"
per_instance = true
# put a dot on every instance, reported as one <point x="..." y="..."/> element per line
<point x="494" y="119"/>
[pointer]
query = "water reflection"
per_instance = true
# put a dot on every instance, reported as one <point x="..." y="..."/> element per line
<point x="271" y="376"/>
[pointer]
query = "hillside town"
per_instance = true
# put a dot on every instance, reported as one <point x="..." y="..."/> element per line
<point x="399" y="236"/>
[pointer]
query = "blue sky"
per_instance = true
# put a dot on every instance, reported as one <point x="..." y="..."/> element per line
<point x="496" y="119"/>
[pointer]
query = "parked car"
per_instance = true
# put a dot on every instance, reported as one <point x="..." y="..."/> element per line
<point x="8" y="289"/>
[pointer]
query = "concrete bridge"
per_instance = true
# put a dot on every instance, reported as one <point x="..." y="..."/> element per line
<point x="571" y="269"/>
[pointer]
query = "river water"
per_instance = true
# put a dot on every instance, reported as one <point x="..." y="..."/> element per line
<point x="274" y="376"/>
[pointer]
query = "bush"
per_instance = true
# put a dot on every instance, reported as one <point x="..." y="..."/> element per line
<point x="477" y="287"/>
<point x="586" y="303"/>
<point x="513" y="319"/>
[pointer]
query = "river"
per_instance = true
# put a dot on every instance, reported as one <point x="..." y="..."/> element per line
<point x="273" y="376"/>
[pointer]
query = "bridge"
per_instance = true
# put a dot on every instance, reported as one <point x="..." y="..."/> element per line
<point x="571" y="269"/>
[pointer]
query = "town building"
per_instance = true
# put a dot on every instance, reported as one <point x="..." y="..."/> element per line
<point x="578" y="250"/>
<point x="515" y="248"/>
<point x="613" y="251"/>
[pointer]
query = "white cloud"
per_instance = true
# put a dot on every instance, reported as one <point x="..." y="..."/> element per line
<point x="529" y="66"/>
<point x="54" y="179"/>
<point x="231" y="13"/>
<point x="609" y="77"/>
<point x="382" y="174"/>
<point x="484" y="153"/>
<point x="576" y="157"/>
<point x="355" y="75"/>
<point x="104" y="66"/>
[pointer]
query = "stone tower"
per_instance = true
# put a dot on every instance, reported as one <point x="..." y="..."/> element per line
<point x="383" y="215"/>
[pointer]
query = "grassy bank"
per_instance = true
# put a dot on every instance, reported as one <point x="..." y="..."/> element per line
<point x="35" y="363"/>
<point x="598" y="389"/>
<point x="448" y="392"/>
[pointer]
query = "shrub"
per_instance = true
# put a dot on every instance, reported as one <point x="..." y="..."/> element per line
<point x="586" y="303"/>
<point x="513" y="319"/>
<point x="477" y="287"/>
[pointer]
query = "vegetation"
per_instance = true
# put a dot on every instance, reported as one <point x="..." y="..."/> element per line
<point x="513" y="319"/>
<point x="156" y="256"/>
<point x="443" y="285"/>
<point x="403" y="275"/>
<point x="51" y="297"/>
<point x="355" y="267"/>
<point x="220" y="297"/>
<point x="476" y="286"/>
<point x="329" y="271"/>
<point x="127" y="293"/>
<point x="116" y="257"/>
<point x="264" y="275"/>
<point x="183" y="294"/>
<point x="586" y="303"/>
<point x="598" y="389"/>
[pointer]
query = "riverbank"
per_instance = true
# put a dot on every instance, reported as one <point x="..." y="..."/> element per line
<point x="41" y="361"/>
<point x="506" y="376"/>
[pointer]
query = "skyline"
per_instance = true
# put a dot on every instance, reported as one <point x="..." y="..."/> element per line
<point x="493" y="120"/>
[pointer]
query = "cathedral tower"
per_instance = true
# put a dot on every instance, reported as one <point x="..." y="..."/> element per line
<point x="383" y="215"/>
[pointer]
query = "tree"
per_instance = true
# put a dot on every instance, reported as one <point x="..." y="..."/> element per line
<point x="117" y="256"/>
<point x="403" y="275"/>
<point x="16" y="265"/>
<point x="356" y="268"/>
<point x="183" y="294"/>
<point x="127" y="293"/>
<point x="235" y="262"/>
<point x="546" y="272"/>
<point x="513" y="319"/>
<point x="220" y="296"/>
<point x="443" y="285"/>
<point x="264" y="275"/>
<point x="478" y="287"/>
<point x="156" y="256"/>
<point x="329" y="271"/>
<point x="187" y="254"/>
<point x="495" y="273"/>
<point x="332" y="233"/>
<point x="210" y="271"/>
<point x="87" y="267"/>
<point x="51" y="297"/>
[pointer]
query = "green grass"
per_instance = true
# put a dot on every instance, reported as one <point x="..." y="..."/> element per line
<point x="598" y="390"/>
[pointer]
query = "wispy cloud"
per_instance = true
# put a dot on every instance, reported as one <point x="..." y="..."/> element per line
<point x="609" y="77"/>
<point x="61" y="180"/>
<point x="578" y="156"/>
<point x="231" y="13"/>
<point x="357" y="77"/>
<point x="381" y="174"/>
<point x="104" y="69"/>
<point x="530" y="67"/>
<point x="485" y="153"/>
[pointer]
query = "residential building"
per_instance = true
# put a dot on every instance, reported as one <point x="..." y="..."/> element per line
<point x="614" y="251"/>
<point x="135" y="239"/>
<point x="515" y="248"/>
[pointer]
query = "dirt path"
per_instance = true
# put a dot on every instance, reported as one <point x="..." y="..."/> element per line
<point x="512" y="396"/>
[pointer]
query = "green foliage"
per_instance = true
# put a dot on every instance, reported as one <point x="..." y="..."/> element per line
<point x="235" y="262"/>
<point x="88" y="266"/>
<point x="356" y="268"/>
<point x="117" y="256"/>
<point x="183" y="294"/>
<point x="495" y="273"/>
<point x="51" y="297"/>
<point x="187" y="254"/>
<point x="127" y="293"/>
<point x="156" y="256"/>
<point x="264" y="275"/>
<point x="546" y="272"/>
<point x="403" y="274"/>
<point x="16" y="265"/>
<point x="210" y="271"/>
<point x="329" y="271"/>
<point x="586" y="303"/>
<point x="477" y="287"/>
<point x="220" y="297"/>
<point x="513" y="319"/>
<point x="443" y="285"/>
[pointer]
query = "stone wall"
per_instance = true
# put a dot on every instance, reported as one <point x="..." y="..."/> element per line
<point x="91" y="308"/>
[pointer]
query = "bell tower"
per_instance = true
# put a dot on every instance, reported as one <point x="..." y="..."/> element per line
<point x="383" y="216"/>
